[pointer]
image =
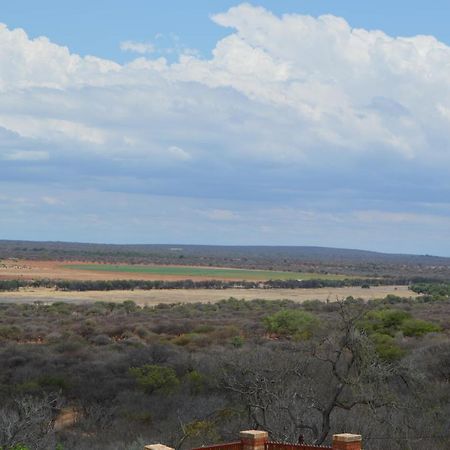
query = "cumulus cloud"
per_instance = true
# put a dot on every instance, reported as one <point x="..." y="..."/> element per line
<point x="289" y="110"/>
<point x="137" y="47"/>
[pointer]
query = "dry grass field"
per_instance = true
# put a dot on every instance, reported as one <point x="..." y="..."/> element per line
<point x="154" y="297"/>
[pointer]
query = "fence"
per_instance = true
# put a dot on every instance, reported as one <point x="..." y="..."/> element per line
<point x="228" y="446"/>
<point x="259" y="440"/>
<point x="284" y="446"/>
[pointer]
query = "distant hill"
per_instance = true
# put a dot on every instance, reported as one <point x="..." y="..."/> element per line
<point x="303" y="258"/>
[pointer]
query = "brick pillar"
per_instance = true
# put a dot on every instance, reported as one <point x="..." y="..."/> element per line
<point x="157" y="447"/>
<point x="347" y="441"/>
<point x="254" y="439"/>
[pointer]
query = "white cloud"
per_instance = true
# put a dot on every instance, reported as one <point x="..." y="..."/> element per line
<point x="56" y="129"/>
<point x="376" y="217"/>
<point x="27" y="63"/>
<point x="179" y="153"/>
<point x="325" y="77"/>
<point x="21" y="155"/>
<point x="220" y="215"/>
<point x="137" y="47"/>
<point x="287" y="110"/>
<point x="52" y="201"/>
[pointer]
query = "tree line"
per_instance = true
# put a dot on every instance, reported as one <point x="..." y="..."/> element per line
<point x="109" y="285"/>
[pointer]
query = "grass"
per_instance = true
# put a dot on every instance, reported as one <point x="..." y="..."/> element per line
<point x="217" y="273"/>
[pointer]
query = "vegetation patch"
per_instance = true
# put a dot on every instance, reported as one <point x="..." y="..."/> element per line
<point x="296" y="324"/>
<point x="207" y="272"/>
<point x="386" y="325"/>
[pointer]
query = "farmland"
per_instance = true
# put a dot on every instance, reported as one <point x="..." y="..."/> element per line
<point x="221" y="273"/>
<point x="76" y="270"/>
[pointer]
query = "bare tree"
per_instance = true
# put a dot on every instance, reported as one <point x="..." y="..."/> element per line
<point x="28" y="420"/>
<point x="291" y="389"/>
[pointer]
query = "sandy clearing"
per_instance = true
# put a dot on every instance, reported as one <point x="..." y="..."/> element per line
<point x="153" y="297"/>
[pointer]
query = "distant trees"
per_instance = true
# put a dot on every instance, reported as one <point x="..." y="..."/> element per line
<point x="108" y="285"/>
<point x="435" y="290"/>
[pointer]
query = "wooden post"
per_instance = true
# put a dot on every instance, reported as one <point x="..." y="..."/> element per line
<point x="347" y="441"/>
<point x="254" y="439"/>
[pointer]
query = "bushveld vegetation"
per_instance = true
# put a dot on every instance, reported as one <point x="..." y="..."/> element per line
<point x="191" y="374"/>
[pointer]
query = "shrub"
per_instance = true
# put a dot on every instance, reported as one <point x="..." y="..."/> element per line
<point x="153" y="378"/>
<point x="71" y="344"/>
<point x="313" y="305"/>
<point x="142" y="332"/>
<point x="384" y="321"/>
<point x="53" y="383"/>
<point x="16" y="447"/>
<point x="101" y="339"/>
<point x="183" y="339"/>
<point x="237" y="341"/>
<point x="129" y="306"/>
<point x="204" y="428"/>
<point x="204" y="328"/>
<point x="391" y="321"/>
<point x="225" y="333"/>
<point x="10" y="332"/>
<point x="28" y="387"/>
<point x="386" y="347"/>
<point x="197" y="381"/>
<point x="295" y="323"/>
<point x="417" y="327"/>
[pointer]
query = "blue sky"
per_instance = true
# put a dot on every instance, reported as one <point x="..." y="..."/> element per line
<point x="97" y="27"/>
<point x="277" y="122"/>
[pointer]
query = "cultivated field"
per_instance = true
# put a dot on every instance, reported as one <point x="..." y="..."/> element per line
<point x="154" y="297"/>
<point x="217" y="273"/>
<point x="27" y="269"/>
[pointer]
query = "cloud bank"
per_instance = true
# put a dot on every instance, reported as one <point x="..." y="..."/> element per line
<point x="342" y="130"/>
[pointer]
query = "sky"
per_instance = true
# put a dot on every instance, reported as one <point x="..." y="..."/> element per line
<point x="321" y="122"/>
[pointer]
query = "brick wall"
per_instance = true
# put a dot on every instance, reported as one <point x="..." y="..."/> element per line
<point x="259" y="440"/>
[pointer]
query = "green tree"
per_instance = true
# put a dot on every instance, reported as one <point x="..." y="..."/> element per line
<point x="153" y="378"/>
<point x="294" y="323"/>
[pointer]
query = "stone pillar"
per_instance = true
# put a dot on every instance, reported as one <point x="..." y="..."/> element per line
<point x="254" y="439"/>
<point x="347" y="441"/>
<point x="157" y="447"/>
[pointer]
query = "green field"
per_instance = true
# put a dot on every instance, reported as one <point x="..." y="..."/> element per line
<point x="217" y="273"/>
